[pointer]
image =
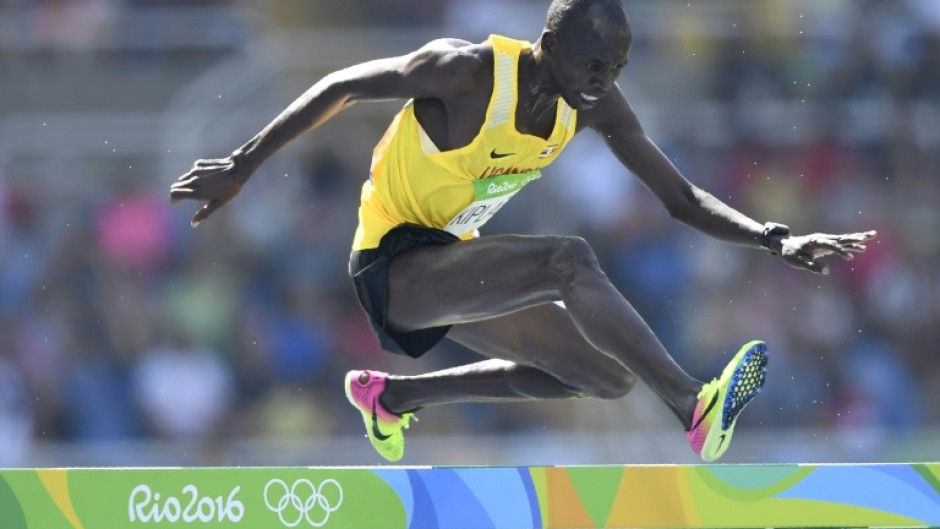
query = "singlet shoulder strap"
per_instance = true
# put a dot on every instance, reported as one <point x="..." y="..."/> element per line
<point x="505" y="78"/>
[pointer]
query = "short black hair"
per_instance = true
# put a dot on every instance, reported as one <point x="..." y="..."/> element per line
<point x="562" y="14"/>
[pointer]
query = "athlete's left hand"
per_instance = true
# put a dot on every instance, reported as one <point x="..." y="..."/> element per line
<point x="805" y="251"/>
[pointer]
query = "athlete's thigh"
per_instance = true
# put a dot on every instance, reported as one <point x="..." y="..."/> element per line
<point x="470" y="280"/>
<point x="545" y="337"/>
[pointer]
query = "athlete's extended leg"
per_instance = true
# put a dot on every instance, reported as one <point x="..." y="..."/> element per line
<point x="485" y="278"/>
<point x="524" y="348"/>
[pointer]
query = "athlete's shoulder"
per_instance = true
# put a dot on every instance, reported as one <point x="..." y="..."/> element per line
<point x="442" y="68"/>
<point x="464" y="63"/>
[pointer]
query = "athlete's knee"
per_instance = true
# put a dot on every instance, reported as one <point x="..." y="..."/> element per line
<point x="607" y="384"/>
<point x="572" y="258"/>
<point x="614" y="386"/>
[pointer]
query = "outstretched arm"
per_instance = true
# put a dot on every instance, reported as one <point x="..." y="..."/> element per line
<point x="439" y="69"/>
<point x="618" y="125"/>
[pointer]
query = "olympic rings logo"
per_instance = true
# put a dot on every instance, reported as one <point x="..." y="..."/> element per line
<point x="303" y="501"/>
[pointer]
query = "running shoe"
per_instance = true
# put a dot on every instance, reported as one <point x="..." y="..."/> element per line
<point x="721" y="400"/>
<point x="384" y="428"/>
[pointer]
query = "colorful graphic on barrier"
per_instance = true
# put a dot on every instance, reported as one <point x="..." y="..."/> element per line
<point x="888" y="495"/>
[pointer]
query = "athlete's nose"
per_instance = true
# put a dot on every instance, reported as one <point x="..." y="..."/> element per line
<point x="602" y="83"/>
<point x="611" y="79"/>
<point x="599" y="88"/>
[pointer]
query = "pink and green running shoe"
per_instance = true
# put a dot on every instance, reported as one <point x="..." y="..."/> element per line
<point x="721" y="400"/>
<point x="384" y="428"/>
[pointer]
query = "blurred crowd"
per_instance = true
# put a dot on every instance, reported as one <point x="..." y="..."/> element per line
<point x="119" y="322"/>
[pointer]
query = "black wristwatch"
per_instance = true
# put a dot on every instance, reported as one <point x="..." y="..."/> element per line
<point x="772" y="229"/>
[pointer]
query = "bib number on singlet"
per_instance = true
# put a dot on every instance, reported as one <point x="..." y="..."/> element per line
<point x="491" y="195"/>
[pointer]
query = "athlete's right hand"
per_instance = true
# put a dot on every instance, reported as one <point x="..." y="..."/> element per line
<point x="214" y="181"/>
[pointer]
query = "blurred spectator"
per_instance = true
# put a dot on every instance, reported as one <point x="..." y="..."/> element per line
<point x="182" y="390"/>
<point x="16" y="410"/>
<point x="97" y="393"/>
<point x="134" y="231"/>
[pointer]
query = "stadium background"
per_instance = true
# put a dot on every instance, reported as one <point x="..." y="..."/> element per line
<point x="127" y="338"/>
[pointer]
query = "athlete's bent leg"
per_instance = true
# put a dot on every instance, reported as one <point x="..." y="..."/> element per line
<point x="486" y="278"/>
<point x="537" y="353"/>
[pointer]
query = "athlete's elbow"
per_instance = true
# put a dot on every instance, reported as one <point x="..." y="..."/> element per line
<point x="680" y="210"/>
<point x="685" y="202"/>
<point x="339" y="89"/>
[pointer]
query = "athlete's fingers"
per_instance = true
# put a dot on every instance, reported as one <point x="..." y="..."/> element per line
<point x="205" y="211"/>
<point x="191" y="183"/>
<point x="201" y="163"/>
<point x="857" y="237"/>
<point x="827" y="247"/>
<point x="178" y="194"/>
<point x="186" y="189"/>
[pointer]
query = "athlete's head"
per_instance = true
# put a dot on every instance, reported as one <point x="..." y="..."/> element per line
<point x="586" y="43"/>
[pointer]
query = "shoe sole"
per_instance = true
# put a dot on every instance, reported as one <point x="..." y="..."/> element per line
<point x="747" y="378"/>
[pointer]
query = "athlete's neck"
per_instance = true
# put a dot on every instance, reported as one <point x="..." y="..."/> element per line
<point x="538" y="92"/>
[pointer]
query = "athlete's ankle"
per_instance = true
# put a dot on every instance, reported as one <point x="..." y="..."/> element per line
<point x="393" y="405"/>
<point x="685" y="409"/>
<point x="390" y="399"/>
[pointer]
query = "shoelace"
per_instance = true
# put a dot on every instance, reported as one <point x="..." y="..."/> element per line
<point x="406" y="420"/>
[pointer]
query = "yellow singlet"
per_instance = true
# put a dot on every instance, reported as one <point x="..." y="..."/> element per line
<point x="457" y="190"/>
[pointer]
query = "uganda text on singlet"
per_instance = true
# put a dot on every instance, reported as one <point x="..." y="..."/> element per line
<point x="457" y="190"/>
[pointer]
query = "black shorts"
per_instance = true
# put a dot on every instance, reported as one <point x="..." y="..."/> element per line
<point x="369" y="272"/>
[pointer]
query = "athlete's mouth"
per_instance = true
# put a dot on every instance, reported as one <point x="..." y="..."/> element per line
<point x="588" y="98"/>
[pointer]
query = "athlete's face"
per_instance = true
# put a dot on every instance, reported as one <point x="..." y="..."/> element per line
<point x="585" y="64"/>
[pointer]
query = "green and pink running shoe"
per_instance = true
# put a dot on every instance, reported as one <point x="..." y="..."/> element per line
<point x="721" y="400"/>
<point x="384" y="428"/>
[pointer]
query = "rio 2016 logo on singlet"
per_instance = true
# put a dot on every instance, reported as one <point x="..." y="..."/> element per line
<point x="490" y="195"/>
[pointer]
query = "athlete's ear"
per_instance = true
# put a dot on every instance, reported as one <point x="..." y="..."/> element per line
<point x="547" y="41"/>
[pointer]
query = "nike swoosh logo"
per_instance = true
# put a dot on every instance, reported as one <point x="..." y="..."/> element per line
<point x="495" y="155"/>
<point x="701" y="417"/>
<point x="721" y="441"/>
<point x="375" y="425"/>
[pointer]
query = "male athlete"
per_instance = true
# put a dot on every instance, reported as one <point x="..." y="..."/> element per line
<point x="479" y="122"/>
